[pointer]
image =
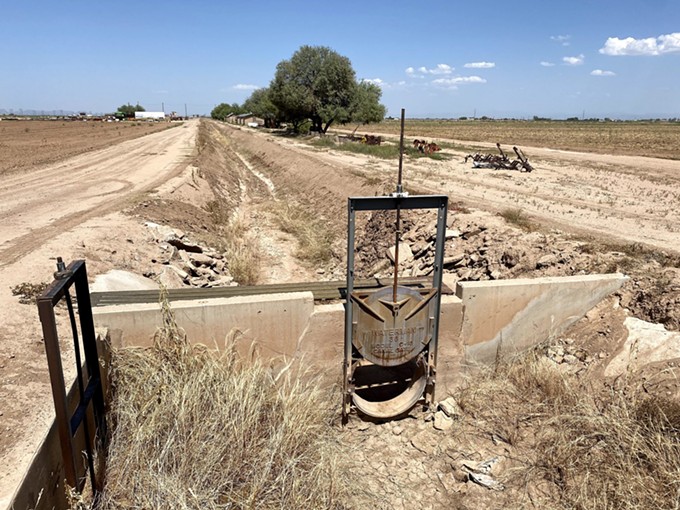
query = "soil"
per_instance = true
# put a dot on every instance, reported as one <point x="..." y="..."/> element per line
<point x="26" y="144"/>
<point x="583" y="211"/>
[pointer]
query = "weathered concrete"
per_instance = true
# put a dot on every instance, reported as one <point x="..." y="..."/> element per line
<point x="274" y="321"/>
<point x="503" y="317"/>
<point x="117" y="279"/>
<point x="646" y="343"/>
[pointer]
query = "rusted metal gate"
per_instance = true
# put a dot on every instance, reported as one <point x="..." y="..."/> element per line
<point x="89" y="413"/>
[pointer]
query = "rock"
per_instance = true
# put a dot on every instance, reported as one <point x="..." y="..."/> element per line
<point x="474" y="258"/>
<point x="449" y="407"/>
<point x="442" y="421"/>
<point x="477" y="274"/>
<point x="405" y="253"/>
<point x="424" y="442"/>
<point x="419" y="248"/>
<point x="452" y="233"/>
<point x="180" y="272"/>
<point x="464" y="274"/>
<point x="223" y="281"/>
<point x="569" y="358"/>
<point x="397" y="430"/>
<point x="546" y="261"/>
<point x="170" y="279"/>
<point x="205" y="271"/>
<point x="454" y="259"/>
<point x="161" y="232"/>
<point x="510" y="258"/>
<point x="486" y="481"/>
<point x="185" y="245"/>
<point x="185" y="262"/>
<point x="200" y="259"/>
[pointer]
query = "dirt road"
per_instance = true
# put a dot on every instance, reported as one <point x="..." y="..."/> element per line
<point x="35" y="206"/>
<point x="63" y="209"/>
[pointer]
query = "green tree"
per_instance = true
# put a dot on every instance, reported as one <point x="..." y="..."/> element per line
<point x="260" y="104"/>
<point x="221" y="111"/>
<point x="317" y="83"/>
<point x="366" y="107"/>
<point x="129" y="111"/>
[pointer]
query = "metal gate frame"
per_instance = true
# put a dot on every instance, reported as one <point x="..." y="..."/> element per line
<point x="396" y="202"/>
<point x="90" y="391"/>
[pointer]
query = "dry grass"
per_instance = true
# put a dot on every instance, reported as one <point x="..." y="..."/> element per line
<point x="596" y="448"/>
<point x="519" y="218"/>
<point x="194" y="429"/>
<point x="242" y="253"/>
<point x="314" y="237"/>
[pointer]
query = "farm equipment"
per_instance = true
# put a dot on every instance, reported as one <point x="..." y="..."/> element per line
<point x="426" y="148"/>
<point x="371" y="140"/>
<point x="501" y="162"/>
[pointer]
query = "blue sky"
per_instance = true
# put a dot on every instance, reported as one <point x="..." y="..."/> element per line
<point x="616" y="58"/>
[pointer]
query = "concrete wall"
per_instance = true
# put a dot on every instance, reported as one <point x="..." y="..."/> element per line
<point x="274" y="321"/>
<point x="504" y="317"/>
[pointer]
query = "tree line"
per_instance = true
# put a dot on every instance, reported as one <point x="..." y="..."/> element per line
<point x="316" y="85"/>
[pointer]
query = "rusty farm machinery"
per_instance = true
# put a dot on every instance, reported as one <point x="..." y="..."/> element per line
<point x="501" y="161"/>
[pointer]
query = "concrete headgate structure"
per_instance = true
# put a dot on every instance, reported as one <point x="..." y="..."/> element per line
<point x="480" y="323"/>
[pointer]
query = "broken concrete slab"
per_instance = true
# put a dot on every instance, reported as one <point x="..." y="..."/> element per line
<point x="117" y="279"/>
<point x="405" y="253"/>
<point x="504" y="317"/>
<point x="646" y="343"/>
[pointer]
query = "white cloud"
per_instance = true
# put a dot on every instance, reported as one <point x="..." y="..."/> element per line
<point x="480" y="65"/>
<point x="440" y="69"/>
<point x="668" y="43"/>
<point x="375" y="81"/>
<point x="245" y="86"/>
<point x="600" y="72"/>
<point x="453" y="82"/>
<point x="574" y="61"/>
<point x="562" y="39"/>
<point x="547" y="64"/>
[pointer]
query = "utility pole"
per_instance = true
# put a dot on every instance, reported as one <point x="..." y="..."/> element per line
<point x="163" y="107"/>
<point x="185" y="111"/>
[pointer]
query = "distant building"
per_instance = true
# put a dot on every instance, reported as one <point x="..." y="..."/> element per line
<point x="150" y="115"/>
<point x="249" y="119"/>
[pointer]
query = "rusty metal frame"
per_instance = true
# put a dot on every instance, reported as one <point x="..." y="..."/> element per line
<point x="90" y="390"/>
<point x="395" y="202"/>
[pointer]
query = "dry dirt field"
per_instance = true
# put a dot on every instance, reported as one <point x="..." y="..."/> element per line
<point x="25" y="144"/>
<point x="653" y="139"/>
<point x="274" y="207"/>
